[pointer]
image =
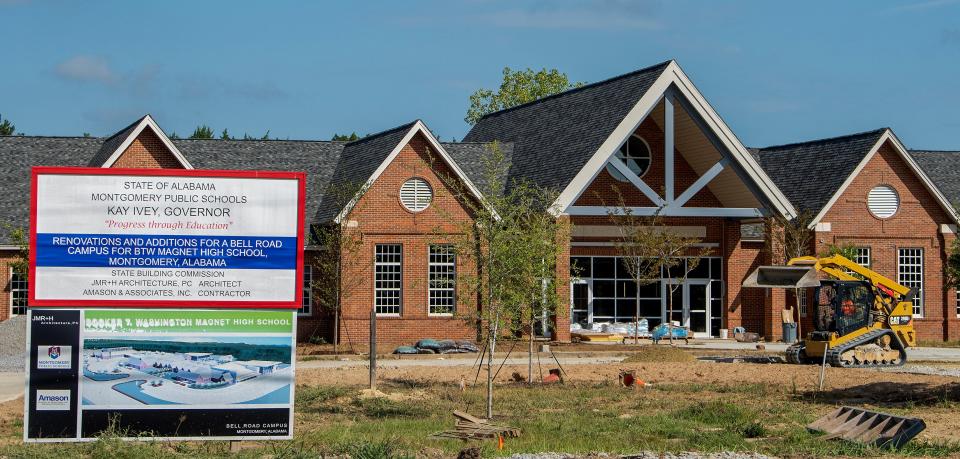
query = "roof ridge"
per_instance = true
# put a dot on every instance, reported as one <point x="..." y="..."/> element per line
<point x="383" y="133"/>
<point x="577" y="89"/>
<point x="823" y="140"/>
<point x="262" y="140"/>
<point x="913" y="150"/>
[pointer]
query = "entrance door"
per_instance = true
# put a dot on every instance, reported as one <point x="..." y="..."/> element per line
<point x="691" y="307"/>
<point x="580" y="304"/>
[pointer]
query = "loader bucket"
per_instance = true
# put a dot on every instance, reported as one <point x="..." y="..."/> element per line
<point x="782" y="277"/>
<point x="868" y="427"/>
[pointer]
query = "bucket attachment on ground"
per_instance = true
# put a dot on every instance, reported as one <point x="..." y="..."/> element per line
<point x="782" y="277"/>
<point x="869" y="427"/>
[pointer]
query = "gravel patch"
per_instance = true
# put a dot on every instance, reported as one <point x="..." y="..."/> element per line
<point x="13" y="343"/>
<point x="925" y="370"/>
<point x="645" y="455"/>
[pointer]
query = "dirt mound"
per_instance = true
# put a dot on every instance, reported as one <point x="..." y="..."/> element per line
<point x="660" y="353"/>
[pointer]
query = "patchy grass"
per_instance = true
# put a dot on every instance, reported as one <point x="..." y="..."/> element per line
<point x="659" y="353"/>
<point x="576" y="418"/>
<point x="950" y="344"/>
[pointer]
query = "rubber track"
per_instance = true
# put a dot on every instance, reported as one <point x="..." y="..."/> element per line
<point x="833" y="355"/>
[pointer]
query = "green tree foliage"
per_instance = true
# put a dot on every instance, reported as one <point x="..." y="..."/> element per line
<point x="345" y="138"/>
<point x="19" y="237"/>
<point x="952" y="268"/>
<point x="6" y="127"/>
<point x="518" y="87"/>
<point x="225" y="135"/>
<point x="202" y="132"/>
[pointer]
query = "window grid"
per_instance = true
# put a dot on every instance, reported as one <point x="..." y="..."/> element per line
<point x="387" y="279"/>
<point x="910" y="274"/>
<point x="18" y="295"/>
<point x="862" y="257"/>
<point x="442" y="267"/>
<point x="803" y="302"/>
<point x="306" y="304"/>
<point x="958" y="303"/>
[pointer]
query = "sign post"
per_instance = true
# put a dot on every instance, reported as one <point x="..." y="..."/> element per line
<point x="163" y="303"/>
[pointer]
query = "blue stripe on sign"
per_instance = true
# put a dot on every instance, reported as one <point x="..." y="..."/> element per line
<point x="156" y="251"/>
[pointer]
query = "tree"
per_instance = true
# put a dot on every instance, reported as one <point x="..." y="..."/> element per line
<point x="342" y="256"/>
<point x="202" y="132"/>
<point x="788" y="239"/>
<point x="19" y="237"/>
<point x="345" y="138"/>
<point x="518" y="87"/>
<point x="225" y="135"/>
<point x="512" y="243"/>
<point x="6" y="127"/>
<point x="651" y="250"/>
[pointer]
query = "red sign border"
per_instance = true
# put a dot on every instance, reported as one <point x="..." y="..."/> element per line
<point x="300" y="177"/>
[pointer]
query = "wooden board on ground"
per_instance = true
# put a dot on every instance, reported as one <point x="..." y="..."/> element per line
<point x="598" y="337"/>
<point x="469" y="427"/>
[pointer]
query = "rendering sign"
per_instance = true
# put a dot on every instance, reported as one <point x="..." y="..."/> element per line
<point x="166" y="238"/>
<point x="163" y="373"/>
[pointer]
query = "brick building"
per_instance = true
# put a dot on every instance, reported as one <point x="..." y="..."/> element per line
<point x="649" y="133"/>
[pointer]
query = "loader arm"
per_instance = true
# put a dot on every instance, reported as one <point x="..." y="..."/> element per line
<point x="840" y="267"/>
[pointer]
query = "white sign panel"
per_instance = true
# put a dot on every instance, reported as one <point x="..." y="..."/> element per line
<point x="166" y="238"/>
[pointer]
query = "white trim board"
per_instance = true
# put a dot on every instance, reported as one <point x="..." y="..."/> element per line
<point x="146" y="122"/>
<point x="420" y="127"/>
<point x="901" y="150"/>
<point x="672" y="77"/>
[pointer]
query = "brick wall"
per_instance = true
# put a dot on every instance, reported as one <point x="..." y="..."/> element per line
<point x="915" y="225"/>
<point x="381" y="219"/>
<point x="6" y="257"/>
<point x="147" y="151"/>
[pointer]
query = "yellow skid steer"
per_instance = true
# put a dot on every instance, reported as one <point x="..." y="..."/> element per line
<point x="863" y="319"/>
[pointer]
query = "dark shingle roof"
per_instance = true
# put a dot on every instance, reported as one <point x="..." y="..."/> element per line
<point x="470" y="157"/>
<point x="555" y="136"/>
<point x="110" y="144"/>
<point x="17" y="155"/>
<point x="810" y="173"/>
<point x="317" y="158"/>
<point x="358" y="162"/>
<point x="943" y="167"/>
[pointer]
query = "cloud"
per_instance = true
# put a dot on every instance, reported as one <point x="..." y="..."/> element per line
<point x="920" y="6"/>
<point x="85" y="69"/>
<point x="194" y="87"/>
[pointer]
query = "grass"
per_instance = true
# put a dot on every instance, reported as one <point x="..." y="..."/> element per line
<point x="576" y="418"/>
<point x="950" y="344"/>
<point x="659" y="353"/>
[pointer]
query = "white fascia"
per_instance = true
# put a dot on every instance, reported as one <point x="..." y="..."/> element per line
<point x="418" y="126"/>
<point x="674" y="75"/>
<point x="889" y="136"/>
<point x="147" y="122"/>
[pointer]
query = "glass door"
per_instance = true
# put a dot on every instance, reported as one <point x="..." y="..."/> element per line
<point x="697" y="308"/>
<point x="580" y="306"/>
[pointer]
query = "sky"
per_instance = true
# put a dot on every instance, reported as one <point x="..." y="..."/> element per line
<point x="776" y="72"/>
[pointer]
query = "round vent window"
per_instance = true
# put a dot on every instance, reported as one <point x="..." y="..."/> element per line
<point x="635" y="153"/>
<point x="883" y="201"/>
<point x="416" y="195"/>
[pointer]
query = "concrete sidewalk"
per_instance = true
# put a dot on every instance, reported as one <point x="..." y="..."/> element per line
<point x="11" y="386"/>
<point x="914" y="354"/>
<point x="461" y="360"/>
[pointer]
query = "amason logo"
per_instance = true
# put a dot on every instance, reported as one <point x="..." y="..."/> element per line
<point x="54" y="357"/>
<point x="53" y="400"/>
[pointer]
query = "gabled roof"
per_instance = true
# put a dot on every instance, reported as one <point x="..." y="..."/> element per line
<point x="818" y="172"/>
<point x="943" y="167"/>
<point x="810" y="173"/>
<point x="116" y="144"/>
<point x="554" y="137"/>
<point x="472" y="157"/>
<point x="17" y="155"/>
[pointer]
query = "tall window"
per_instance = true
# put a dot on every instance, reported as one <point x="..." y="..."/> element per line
<point x="306" y="305"/>
<point x="958" y="303"/>
<point x="18" y="294"/>
<point x="387" y="279"/>
<point x="862" y="257"/>
<point x="803" y="302"/>
<point x="443" y="279"/>
<point x="910" y="274"/>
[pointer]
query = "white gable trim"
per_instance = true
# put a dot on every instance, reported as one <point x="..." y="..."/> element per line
<point x="914" y="167"/>
<point x="147" y="122"/>
<point x="672" y="75"/>
<point x="435" y="144"/>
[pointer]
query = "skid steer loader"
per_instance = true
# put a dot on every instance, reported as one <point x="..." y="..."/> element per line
<point x="862" y="319"/>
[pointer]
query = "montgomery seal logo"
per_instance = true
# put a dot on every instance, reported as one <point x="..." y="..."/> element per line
<point x="53" y="400"/>
<point x="57" y="357"/>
